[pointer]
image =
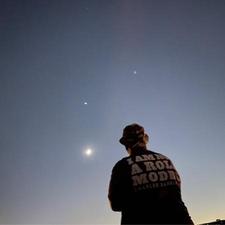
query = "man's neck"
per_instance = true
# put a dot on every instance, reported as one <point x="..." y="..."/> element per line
<point x="135" y="151"/>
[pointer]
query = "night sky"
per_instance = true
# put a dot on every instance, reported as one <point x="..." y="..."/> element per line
<point x="74" y="73"/>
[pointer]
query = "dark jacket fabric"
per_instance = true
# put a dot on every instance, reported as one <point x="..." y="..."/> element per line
<point x="145" y="187"/>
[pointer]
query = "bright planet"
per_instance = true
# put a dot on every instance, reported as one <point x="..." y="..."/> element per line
<point x="88" y="152"/>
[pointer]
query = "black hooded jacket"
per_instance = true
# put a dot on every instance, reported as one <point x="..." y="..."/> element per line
<point x="145" y="187"/>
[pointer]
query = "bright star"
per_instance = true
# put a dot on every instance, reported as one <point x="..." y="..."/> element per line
<point x="88" y="152"/>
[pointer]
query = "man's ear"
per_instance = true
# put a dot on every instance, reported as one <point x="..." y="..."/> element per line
<point x="146" y="138"/>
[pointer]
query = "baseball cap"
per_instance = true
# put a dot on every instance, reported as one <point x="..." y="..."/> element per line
<point x="132" y="134"/>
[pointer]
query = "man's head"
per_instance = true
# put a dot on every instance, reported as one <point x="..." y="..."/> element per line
<point x="134" y="136"/>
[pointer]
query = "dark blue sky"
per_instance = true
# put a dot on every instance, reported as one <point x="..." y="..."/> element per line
<point x="158" y="63"/>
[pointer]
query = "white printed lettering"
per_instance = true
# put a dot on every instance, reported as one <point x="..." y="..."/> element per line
<point x="150" y="166"/>
<point x="171" y="175"/>
<point x="130" y="161"/>
<point x="140" y="179"/>
<point x="168" y="164"/>
<point x="138" y="158"/>
<point x="160" y="165"/>
<point x="159" y="156"/>
<point x="135" y="169"/>
<point x="153" y="176"/>
<point x="163" y="176"/>
<point x="148" y="157"/>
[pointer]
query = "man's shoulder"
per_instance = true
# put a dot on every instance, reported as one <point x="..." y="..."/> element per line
<point x="121" y="167"/>
<point x="122" y="161"/>
<point x="160" y="155"/>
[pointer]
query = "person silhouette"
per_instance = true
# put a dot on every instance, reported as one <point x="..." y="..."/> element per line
<point x="145" y="186"/>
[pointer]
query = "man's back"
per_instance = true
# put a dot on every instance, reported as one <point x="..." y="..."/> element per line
<point x="145" y="187"/>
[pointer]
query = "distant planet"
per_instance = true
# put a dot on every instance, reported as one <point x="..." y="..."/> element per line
<point x="88" y="152"/>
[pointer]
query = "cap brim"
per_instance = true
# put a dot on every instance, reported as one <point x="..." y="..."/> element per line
<point x="122" y="140"/>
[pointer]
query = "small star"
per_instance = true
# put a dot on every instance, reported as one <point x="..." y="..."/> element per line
<point x="85" y="103"/>
<point x="134" y="72"/>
